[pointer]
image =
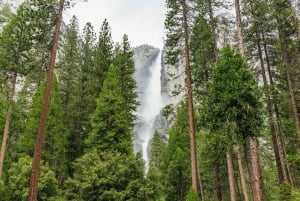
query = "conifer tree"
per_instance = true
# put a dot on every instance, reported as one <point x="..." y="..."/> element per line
<point x="103" y="55"/>
<point x="176" y="166"/>
<point x="107" y="175"/>
<point x="111" y="127"/>
<point x="235" y="108"/>
<point x="54" y="148"/>
<point x="18" y="182"/>
<point x="123" y="60"/>
<point x="70" y="76"/>
<point x="178" y="35"/>
<point x="15" y="44"/>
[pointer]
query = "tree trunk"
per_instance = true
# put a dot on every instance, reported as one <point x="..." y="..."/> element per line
<point x="239" y="27"/>
<point x="277" y="145"/>
<point x="7" y="122"/>
<point x="249" y="167"/>
<point x="213" y="27"/>
<point x="232" y="184"/>
<point x="217" y="182"/>
<point x="256" y="170"/>
<point x="292" y="96"/>
<point x="288" y="61"/>
<point x="40" y="135"/>
<point x="190" y="100"/>
<point x="276" y="110"/>
<point x="241" y="170"/>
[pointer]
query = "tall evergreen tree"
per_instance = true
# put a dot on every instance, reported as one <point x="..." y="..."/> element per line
<point x="54" y="148"/>
<point x="106" y="176"/>
<point x="103" y="55"/>
<point x="111" y="127"/>
<point x="70" y="76"/>
<point x="178" y="34"/>
<point x="176" y="166"/>
<point x="235" y="108"/>
<point x="123" y="60"/>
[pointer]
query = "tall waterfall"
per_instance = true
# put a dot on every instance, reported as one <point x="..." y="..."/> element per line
<point x="151" y="102"/>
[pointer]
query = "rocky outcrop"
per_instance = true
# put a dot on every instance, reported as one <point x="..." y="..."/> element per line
<point x="173" y="79"/>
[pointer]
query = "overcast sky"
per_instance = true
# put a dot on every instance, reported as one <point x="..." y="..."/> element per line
<point x="141" y="20"/>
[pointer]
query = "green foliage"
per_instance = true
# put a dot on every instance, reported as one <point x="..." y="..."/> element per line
<point x="234" y="98"/>
<point x="103" y="55"/>
<point x="154" y="186"/>
<point x="157" y="150"/>
<point x="176" y="165"/>
<point x="192" y="195"/>
<point x="123" y="60"/>
<point x="54" y="148"/>
<point x="106" y="176"/>
<point x="17" y="184"/>
<point x="202" y="55"/>
<point x="110" y="123"/>
<point x="5" y="13"/>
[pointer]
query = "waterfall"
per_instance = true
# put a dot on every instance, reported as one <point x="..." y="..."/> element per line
<point x="151" y="102"/>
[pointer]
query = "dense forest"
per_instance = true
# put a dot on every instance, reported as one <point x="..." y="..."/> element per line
<point x="68" y="99"/>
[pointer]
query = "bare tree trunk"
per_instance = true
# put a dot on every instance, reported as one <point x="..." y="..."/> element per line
<point x="249" y="167"/>
<point x="40" y="135"/>
<point x="256" y="170"/>
<point x="277" y="145"/>
<point x="288" y="61"/>
<point x="254" y="162"/>
<point x="239" y="27"/>
<point x="241" y="169"/>
<point x="276" y="110"/>
<point x="232" y="184"/>
<point x="7" y="122"/>
<point x="213" y="27"/>
<point x="217" y="182"/>
<point x="195" y="183"/>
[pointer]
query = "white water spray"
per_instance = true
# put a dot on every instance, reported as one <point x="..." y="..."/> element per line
<point x="151" y="102"/>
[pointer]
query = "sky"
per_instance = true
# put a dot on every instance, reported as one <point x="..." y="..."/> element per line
<point x="141" y="20"/>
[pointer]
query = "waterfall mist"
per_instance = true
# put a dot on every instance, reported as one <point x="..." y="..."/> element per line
<point x="151" y="103"/>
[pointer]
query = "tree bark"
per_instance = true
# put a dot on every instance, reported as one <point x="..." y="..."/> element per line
<point x="195" y="183"/>
<point x="277" y="145"/>
<point x="276" y="110"/>
<point x="7" y="122"/>
<point x="249" y="167"/>
<point x="217" y="182"/>
<point x="288" y="61"/>
<point x="241" y="170"/>
<point x="40" y="135"/>
<point x="213" y="27"/>
<point x="239" y="27"/>
<point x="258" y="195"/>
<point x="232" y="183"/>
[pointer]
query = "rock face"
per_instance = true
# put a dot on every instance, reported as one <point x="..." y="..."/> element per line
<point x="173" y="79"/>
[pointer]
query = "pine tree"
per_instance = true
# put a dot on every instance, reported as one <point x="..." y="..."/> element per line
<point x="111" y="127"/>
<point x="15" y="37"/>
<point x="123" y="60"/>
<point x="235" y="108"/>
<point x="18" y="182"/>
<point x="70" y="76"/>
<point x="106" y="176"/>
<point x="176" y="166"/>
<point x="103" y="55"/>
<point x="178" y="35"/>
<point x="157" y="150"/>
<point x="54" y="148"/>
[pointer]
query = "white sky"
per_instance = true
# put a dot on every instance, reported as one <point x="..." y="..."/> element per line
<point x="141" y="20"/>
